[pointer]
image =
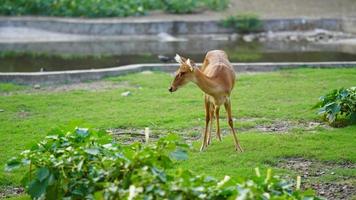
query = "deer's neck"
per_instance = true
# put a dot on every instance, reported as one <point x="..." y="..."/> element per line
<point x="204" y="82"/>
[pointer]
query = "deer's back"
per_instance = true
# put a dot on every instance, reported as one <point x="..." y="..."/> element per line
<point x="218" y="67"/>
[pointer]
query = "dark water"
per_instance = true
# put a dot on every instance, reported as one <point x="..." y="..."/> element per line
<point x="32" y="57"/>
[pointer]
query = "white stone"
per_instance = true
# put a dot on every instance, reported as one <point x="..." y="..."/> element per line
<point x="125" y="94"/>
<point x="248" y="38"/>
<point x="37" y="86"/>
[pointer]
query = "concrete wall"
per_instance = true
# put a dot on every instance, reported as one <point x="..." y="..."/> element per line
<point x="110" y="28"/>
<point x="349" y="25"/>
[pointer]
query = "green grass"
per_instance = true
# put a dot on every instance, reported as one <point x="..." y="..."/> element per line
<point x="266" y="150"/>
<point x="281" y="95"/>
<point x="8" y="87"/>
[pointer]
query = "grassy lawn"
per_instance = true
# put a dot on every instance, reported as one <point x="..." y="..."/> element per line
<point x="286" y="95"/>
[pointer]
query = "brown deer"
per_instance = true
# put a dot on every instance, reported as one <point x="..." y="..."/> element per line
<point x="216" y="78"/>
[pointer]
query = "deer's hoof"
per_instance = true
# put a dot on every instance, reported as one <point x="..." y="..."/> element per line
<point x="239" y="149"/>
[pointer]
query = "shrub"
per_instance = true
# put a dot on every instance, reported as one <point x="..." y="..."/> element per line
<point x="180" y="7"/>
<point x="244" y="23"/>
<point x="83" y="164"/>
<point x="341" y="102"/>
<point x="76" y="8"/>
<point x="103" y="8"/>
<point x="217" y="5"/>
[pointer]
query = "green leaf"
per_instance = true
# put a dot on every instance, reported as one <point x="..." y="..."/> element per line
<point x="179" y="154"/>
<point x="331" y="117"/>
<point x="36" y="188"/>
<point x="42" y="174"/>
<point x="83" y="132"/>
<point x="53" y="137"/>
<point x="12" y="164"/>
<point x="353" y="117"/>
<point x="172" y="137"/>
<point x="160" y="174"/>
<point x="92" y="151"/>
<point x="335" y="109"/>
<point x="80" y="165"/>
<point x="321" y="111"/>
<point x="51" y="179"/>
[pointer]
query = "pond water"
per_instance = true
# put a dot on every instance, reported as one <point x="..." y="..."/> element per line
<point x="58" y="56"/>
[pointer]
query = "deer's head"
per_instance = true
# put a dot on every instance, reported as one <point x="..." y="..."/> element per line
<point x="184" y="74"/>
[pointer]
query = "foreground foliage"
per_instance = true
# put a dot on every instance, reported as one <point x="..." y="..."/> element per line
<point x="103" y="8"/>
<point x="83" y="164"/>
<point x="339" y="102"/>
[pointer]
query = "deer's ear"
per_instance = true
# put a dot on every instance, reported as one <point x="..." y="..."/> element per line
<point x="190" y="64"/>
<point x="180" y="59"/>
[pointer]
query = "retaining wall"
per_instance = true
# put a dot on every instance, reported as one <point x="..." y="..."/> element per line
<point x="142" y="27"/>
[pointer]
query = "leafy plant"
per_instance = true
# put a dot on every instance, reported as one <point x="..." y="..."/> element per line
<point x="217" y="5"/>
<point x="103" y="8"/>
<point x="243" y="23"/>
<point x="88" y="8"/>
<point x="83" y="164"/>
<point x="180" y="7"/>
<point x="341" y="102"/>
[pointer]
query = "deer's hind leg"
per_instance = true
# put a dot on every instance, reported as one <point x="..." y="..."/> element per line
<point x="216" y="110"/>
<point x="211" y="110"/>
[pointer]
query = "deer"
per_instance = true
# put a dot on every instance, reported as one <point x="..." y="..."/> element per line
<point x="216" y="78"/>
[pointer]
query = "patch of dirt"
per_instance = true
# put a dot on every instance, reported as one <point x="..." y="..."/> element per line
<point x="130" y="135"/>
<point x="23" y="114"/>
<point x="90" y="86"/>
<point x="138" y="135"/>
<point x="286" y="126"/>
<point x="9" y="191"/>
<point x="278" y="126"/>
<point x="309" y="169"/>
<point x="274" y="126"/>
<point x="333" y="190"/>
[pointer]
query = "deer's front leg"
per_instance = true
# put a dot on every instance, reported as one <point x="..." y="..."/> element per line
<point x="207" y="119"/>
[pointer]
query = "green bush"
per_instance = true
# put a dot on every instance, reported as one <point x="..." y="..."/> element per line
<point x="341" y="102"/>
<point x="217" y="5"/>
<point x="103" y="8"/>
<point x="180" y="7"/>
<point x="244" y="23"/>
<point x="82" y="164"/>
<point x="77" y="8"/>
